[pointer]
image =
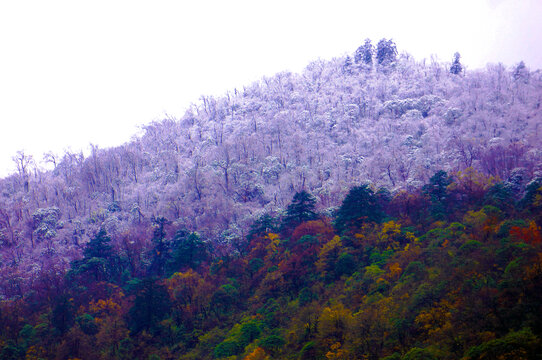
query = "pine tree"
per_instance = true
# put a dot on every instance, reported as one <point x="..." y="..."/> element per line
<point x="456" y="67"/>
<point x="365" y="53"/>
<point x="386" y="52"/>
<point x="301" y="209"/>
<point x="360" y="205"/>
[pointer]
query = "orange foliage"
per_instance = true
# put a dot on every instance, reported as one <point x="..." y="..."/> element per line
<point x="104" y="307"/>
<point x="530" y="235"/>
<point x="336" y="353"/>
<point x="394" y="271"/>
<point x="257" y="354"/>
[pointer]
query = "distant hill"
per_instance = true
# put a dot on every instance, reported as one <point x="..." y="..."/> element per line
<point x="374" y="117"/>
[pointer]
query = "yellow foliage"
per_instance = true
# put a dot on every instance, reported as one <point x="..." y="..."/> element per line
<point x="273" y="245"/>
<point x="257" y="354"/>
<point x="394" y="271"/>
<point x="33" y="353"/>
<point x="334" y="322"/>
<point x="389" y="235"/>
<point x="436" y="318"/>
<point x="472" y="181"/>
<point x="104" y="307"/>
<point x="329" y="249"/>
<point x="336" y="353"/>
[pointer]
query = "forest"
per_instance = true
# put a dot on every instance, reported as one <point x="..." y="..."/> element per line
<point x="371" y="207"/>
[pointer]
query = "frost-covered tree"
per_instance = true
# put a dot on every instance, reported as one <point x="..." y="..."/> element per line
<point x="456" y="68"/>
<point x="365" y="53"/>
<point x="386" y="52"/>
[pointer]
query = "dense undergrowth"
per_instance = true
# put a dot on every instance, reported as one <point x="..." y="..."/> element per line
<point x="452" y="270"/>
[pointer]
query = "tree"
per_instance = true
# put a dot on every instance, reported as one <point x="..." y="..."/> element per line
<point x="300" y="210"/>
<point x="99" y="260"/>
<point x="521" y="73"/>
<point x="359" y="206"/>
<point x="438" y="193"/>
<point x="365" y="53"/>
<point x="188" y="251"/>
<point x="386" y="52"/>
<point x="161" y="251"/>
<point x="347" y="66"/>
<point x="151" y="305"/>
<point x="456" y="67"/>
<point x="62" y="315"/>
<point x="263" y="225"/>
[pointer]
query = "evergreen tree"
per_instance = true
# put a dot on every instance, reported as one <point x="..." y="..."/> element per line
<point x="151" y="306"/>
<point x="301" y="209"/>
<point x="521" y="73"/>
<point x="438" y="194"/>
<point x="365" y="53"/>
<point x="347" y="66"/>
<point x="360" y="205"/>
<point x="188" y="251"/>
<point x="456" y="67"/>
<point x="160" y="254"/>
<point x="263" y="225"/>
<point x="386" y="52"/>
<point x="99" y="260"/>
<point x="99" y="246"/>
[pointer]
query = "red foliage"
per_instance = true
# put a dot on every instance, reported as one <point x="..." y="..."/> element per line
<point x="530" y="235"/>
<point x="320" y="228"/>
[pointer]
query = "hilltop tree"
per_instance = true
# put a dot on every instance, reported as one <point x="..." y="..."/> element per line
<point x="456" y="67"/>
<point x="365" y="53"/>
<point x="386" y="52"/>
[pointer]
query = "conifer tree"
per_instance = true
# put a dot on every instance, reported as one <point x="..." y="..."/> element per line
<point x="456" y="67"/>
<point x="360" y="205"/>
<point x="301" y="209"/>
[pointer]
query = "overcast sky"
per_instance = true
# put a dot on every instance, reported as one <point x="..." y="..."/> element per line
<point x="79" y="72"/>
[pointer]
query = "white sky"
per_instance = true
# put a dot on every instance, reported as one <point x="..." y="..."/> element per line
<point x="79" y="72"/>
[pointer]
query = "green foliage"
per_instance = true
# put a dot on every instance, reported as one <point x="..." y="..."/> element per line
<point x="272" y="343"/>
<point x="438" y="194"/>
<point x="345" y="265"/>
<point x="308" y="351"/>
<point x="263" y="225"/>
<point x="99" y="246"/>
<point x="522" y="344"/>
<point x="10" y="351"/>
<point x="419" y="354"/>
<point x="87" y="324"/>
<point x="456" y="290"/>
<point x="255" y="264"/>
<point x="306" y="296"/>
<point x="62" y="315"/>
<point x="189" y="251"/>
<point x="227" y="348"/>
<point x="301" y="209"/>
<point x="359" y="206"/>
<point x="151" y="305"/>
<point x="250" y="331"/>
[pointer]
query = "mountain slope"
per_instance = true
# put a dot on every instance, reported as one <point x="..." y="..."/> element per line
<point x="229" y="160"/>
